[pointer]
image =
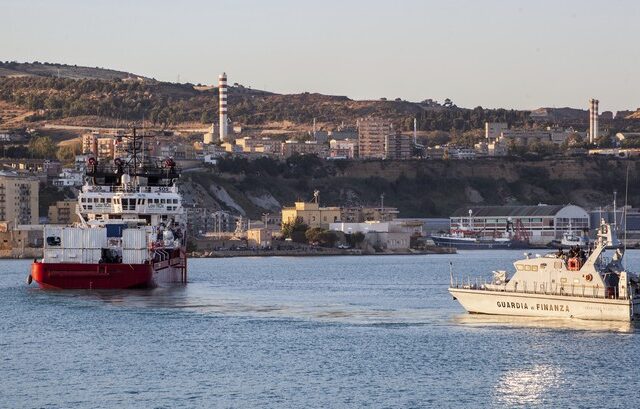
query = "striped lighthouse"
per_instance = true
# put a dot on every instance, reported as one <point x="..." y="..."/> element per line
<point x="222" y="98"/>
<point x="593" y="120"/>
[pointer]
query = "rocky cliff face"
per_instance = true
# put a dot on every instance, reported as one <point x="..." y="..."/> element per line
<point x="431" y="188"/>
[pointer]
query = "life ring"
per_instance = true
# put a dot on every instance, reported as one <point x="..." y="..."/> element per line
<point x="588" y="277"/>
<point x="573" y="264"/>
<point x="92" y="161"/>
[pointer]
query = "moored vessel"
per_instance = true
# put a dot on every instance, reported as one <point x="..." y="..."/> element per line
<point x="132" y="230"/>
<point x="585" y="285"/>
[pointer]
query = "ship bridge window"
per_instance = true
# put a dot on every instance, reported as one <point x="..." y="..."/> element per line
<point x="83" y="200"/>
<point x="128" y="204"/>
<point x="543" y="266"/>
<point x="527" y="267"/>
<point x="520" y="267"/>
<point x="175" y="201"/>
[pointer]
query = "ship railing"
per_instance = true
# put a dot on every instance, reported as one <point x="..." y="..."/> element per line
<point x="570" y="290"/>
<point x="131" y="189"/>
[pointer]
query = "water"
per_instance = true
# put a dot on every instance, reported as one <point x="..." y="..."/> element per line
<point x="303" y="332"/>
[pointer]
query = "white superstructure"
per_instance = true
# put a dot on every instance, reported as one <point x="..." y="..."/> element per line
<point x="585" y="285"/>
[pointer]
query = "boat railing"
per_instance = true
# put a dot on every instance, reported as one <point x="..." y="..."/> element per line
<point x="569" y="290"/>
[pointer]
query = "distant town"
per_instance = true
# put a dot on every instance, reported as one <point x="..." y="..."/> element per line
<point x="44" y="163"/>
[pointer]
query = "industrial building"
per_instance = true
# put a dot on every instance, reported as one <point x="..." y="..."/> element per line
<point x="539" y="224"/>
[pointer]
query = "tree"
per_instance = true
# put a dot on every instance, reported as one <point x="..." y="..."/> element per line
<point x="295" y="230"/>
<point x="323" y="237"/>
<point x="42" y="147"/>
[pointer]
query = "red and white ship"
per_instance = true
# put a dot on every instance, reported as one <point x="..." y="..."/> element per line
<point x="132" y="230"/>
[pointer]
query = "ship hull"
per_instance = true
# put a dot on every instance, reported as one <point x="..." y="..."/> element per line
<point x="546" y="306"/>
<point x="67" y="276"/>
<point x="460" y="244"/>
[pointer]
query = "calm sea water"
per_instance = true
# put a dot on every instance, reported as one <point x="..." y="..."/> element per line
<point x="303" y="332"/>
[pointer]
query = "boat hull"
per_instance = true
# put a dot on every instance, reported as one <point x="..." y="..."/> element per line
<point x="457" y="243"/>
<point x="545" y="305"/>
<point x="109" y="276"/>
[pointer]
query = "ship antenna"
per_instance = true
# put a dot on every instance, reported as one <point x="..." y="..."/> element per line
<point x="626" y="198"/>
<point x="450" y="273"/>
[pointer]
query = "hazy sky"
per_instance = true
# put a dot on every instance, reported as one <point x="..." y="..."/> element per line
<point x="520" y="54"/>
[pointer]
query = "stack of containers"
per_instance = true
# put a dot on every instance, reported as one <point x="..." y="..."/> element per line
<point x="95" y="239"/>
<point x="134" y="246"/>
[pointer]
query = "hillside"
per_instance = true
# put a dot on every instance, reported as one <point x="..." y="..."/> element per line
<point x="34" y="93"/>
<point x="37" y="69"/>
<point x="417" y="188"/>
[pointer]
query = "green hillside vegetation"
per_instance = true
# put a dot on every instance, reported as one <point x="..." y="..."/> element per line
<point x="428" y="188"/>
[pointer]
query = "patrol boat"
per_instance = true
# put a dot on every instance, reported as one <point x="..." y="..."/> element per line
<point x="132" y="229"/>
<point x="553" y="286"/>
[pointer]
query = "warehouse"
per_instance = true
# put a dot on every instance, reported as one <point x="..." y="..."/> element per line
<point x="538" y="224"/>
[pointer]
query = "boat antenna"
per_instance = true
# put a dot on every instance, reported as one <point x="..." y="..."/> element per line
<point x="626" y="198"/>
<point x="451" y="273"/>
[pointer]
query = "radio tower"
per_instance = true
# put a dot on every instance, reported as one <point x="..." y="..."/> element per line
<point x="222" y="96"/>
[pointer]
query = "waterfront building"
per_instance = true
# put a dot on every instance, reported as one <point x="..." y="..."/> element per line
<point x="360" y="214"/>
<point x="383" y="235"/>
<point x="258" y="238"/>
<point x="19" y="199"/>
<point x="311" y="214"/>
<point x="541" y="223"/>
<point x="371" y="137"/>
<point x="63" y="212"/>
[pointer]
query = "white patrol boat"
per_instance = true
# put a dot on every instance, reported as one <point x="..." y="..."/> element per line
<point x="592" y="287"/>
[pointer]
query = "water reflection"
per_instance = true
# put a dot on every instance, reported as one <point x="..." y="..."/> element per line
<point x="480" y="320"/>
<point x="215" y="302"/>
<point x="527" y="386"/>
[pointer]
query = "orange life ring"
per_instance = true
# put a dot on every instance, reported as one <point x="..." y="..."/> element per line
<point x="588" y="277"/>
<point x="573" y="264"/>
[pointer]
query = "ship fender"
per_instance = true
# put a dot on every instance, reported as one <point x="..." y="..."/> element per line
<point x="29" y="279"/>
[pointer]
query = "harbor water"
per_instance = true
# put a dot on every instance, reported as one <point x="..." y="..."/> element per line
<point x="322" y="332"/>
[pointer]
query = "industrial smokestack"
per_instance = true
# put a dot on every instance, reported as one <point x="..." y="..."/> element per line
<point x="222" y="96"/>
<point x="593" y="120"/>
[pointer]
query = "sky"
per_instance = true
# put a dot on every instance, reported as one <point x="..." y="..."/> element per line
<point x="510" y="53"/>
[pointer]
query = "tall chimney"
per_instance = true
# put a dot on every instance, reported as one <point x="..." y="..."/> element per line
<point x="222" y="96"/>
<point x="593" y="120"/>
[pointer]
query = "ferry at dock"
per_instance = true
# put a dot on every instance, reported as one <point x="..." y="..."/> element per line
<point x="586" y="285"/>
<point x="132" y="231"/>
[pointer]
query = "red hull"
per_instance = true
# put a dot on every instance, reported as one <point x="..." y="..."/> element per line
<point x="92" y="276"/>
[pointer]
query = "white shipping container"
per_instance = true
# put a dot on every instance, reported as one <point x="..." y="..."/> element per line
<point x="72" y="255"/>
<point x="130" y="256"/>
<point x="134" y="239"/>
<point x="91" y="256"/>
<point x="53" y="232"/>
<point x="53" y="255"/>
<point x="95" y="238"/>
<point x="72" y="238"/>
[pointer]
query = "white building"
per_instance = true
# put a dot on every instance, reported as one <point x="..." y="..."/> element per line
<point x="540" y="224"/>
<point x="393" y="235"/>
<point x="69" y="177"/>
